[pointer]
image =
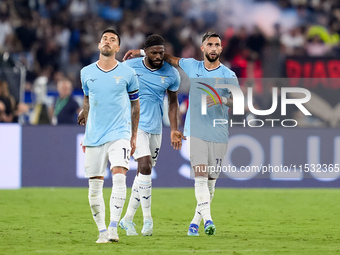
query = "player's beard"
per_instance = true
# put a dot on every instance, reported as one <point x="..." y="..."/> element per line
<point x="154" y="66"/>
<point x="106" y="51"/>
<point x="212" y="59"/>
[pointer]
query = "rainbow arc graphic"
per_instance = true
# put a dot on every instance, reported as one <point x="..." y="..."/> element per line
<point x="209" y="93"/>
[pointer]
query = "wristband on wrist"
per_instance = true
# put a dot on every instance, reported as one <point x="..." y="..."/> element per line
<point x="142" y="52"/>
<point x="224" y="100"/>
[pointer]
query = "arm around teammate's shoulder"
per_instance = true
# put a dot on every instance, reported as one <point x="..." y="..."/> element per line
<point x="132" y="54"/>
<point x="174" y="61"/>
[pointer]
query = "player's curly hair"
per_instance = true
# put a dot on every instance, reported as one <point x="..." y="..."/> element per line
<point x="153" y="40"/>
<point x="209" y="34"/>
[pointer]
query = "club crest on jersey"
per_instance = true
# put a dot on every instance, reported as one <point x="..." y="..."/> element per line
<point x="117" y="78"/>
<point x="217" y="80"/>
<point x="163" y="79"/>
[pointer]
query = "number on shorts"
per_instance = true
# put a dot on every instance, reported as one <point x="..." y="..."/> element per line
<point x="156" y="152"/>
<point x="218" y="162"/>
<point x="126" y="153"/>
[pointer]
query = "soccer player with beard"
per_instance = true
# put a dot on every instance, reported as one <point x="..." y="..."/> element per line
<point x="155" y="77"/>
<point x="208" y="143"/>
<point x="110" y="88"/>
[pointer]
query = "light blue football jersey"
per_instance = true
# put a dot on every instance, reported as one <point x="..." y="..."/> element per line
<point x="152" y="87"/>
<point x="201" y="81"/>
<point x="109" y="117"/>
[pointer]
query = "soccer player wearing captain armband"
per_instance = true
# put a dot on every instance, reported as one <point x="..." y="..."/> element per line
<point x="155" y="78"/>
<point x="110" y="88"/>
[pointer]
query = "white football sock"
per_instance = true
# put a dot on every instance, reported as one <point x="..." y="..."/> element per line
<point x="144" y="189"/>
<point x="134" y="201"/>
<point x="96" y="201"/>
<point x="211" y="187"/>
<point x="197" y="217"/>
<point x="203" y="197"/>
<point x="118" y="197"/>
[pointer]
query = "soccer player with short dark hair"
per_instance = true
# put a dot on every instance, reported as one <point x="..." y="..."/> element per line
<point x="111" y="130"/>
<point x="208" y="143"/>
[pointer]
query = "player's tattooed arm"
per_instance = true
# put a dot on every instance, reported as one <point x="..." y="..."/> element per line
<point x="81" y="115"/>
<point x="172" y="60"/>
<point x="134" y="124"/>
<point x="86" y="108"/>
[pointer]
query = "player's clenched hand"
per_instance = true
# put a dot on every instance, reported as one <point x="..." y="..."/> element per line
<point x="133" y="143"/>
<point x="81" y="118"/>
<point x="211" y="101"/>
<point x="176" y="137"/>
<point x="131" y="54"/>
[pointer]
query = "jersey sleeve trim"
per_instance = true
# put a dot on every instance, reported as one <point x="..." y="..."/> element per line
<point x="173" y="90"/>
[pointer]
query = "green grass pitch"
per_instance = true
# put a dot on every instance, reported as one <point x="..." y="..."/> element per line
<point x="248" y="221"/>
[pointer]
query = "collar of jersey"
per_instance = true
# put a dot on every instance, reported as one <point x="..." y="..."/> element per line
<point x="106" y="71"/>
<point x="209" y="70"/>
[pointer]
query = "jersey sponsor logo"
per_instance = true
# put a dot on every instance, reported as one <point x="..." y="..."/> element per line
<point x="139" y="75"/>
<point x="117" y="78"/>
<point x="198" y="75"/>
<point x="92" y="80"/>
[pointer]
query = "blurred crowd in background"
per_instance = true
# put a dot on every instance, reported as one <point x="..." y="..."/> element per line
<point x="54" y="39"/>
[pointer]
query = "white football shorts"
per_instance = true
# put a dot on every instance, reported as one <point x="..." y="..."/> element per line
<point x="206" y="153"/>
<point x="148" y="145"/>
<point x="96" y="158"/>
